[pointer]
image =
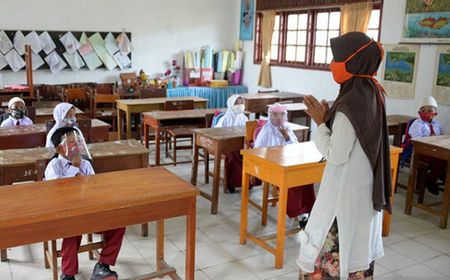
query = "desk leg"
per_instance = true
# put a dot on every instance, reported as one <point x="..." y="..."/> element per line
<point x="194" y="165"/>
<point x="308" y="124"/>
<point x="190" y="242"/>
<point x="216" y="182"/>
<point x="411" y="184"/>
<point x="386" y="216"/>
<point x="128" y="120"/>
<point x="159" y="244"/>
<point x="281" y="227"/>
<point x="244" y="207"/>
<point x="446" y="201"/>
<point x="119" y="124"/>
<point x="157" y="146"/>
<point x="146" y="134"/>
<point x="206" y="166"/>
<point x="398" y="136"/>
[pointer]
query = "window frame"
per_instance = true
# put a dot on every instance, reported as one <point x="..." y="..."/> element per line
<point x="310" y="38"/>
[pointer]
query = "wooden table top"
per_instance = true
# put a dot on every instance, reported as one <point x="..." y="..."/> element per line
<point x="280" y="95"/>
<point x="220" y="133"/>
<point x="16" y="157"/>
<point x="442" y="141"/>
<point x="182" y="114"/>
<point x="397" y="119"/>
<point x="48" y="111"/>
<point x="157" y="100"/>
<point x="48" y="201"/>
<point x="39" y="128"/>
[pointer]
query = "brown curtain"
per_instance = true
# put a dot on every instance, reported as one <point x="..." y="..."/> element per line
<point x="266" y="5"/>
<point x="355" y="17"/>
<point x="267" y="25"/>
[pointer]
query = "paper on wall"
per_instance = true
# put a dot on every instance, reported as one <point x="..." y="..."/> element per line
<point x="111" y="44"/>
<point x="19" y="42"/>
<point x="70" y="42"/>
<point x="36" y="61"/>
<point x="5" y="43"/>
<point x="55" y="62"/>
<point x="33" y="40"/>
<point x="124" y="43"/>
<point x="14" y="60"/>
<point x="92" y="60"/>
<point x="122" y="60"/>
<point x="75" y="61"/>
<point x="98" y="44"/>
<point x="47" y="43"/>
<point x="3" y="62"/>
<point x="85" y="47"/>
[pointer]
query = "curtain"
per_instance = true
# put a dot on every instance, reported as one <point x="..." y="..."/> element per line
<point x="355" y="17"/>
<point x="267" y="25"/>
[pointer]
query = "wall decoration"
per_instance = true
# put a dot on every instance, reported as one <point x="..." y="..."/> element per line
<point x="441" y="81"/>
<point x="247" y="17"/>
<point x="400" y="70"/>
<point x="427" y="21"/>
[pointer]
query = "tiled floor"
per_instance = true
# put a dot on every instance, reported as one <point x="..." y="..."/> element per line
<point x="416" y="249"/>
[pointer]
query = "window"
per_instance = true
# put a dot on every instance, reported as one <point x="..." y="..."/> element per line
<point x="302" y="39"/>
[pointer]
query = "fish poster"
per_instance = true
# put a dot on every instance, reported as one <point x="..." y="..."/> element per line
<point x="427" y="21"/>
<point x="441" y="81"/>
<point x="247" y="17"/>
<point x="399" y="71"/>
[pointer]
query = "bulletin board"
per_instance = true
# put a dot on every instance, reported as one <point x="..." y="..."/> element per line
<point x="60" y="49"/>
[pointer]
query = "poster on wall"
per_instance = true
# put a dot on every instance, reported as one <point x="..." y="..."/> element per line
<point x="247" y="16"/>
<point x="427" y="21"/>
<point x="400" y="70"/>
<point x="441" y="81"/>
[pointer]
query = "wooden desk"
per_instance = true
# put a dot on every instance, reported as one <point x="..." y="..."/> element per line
<point x="161" y="120"/>
<point x="397" y="127"/>
<point x="219" y="141"/>
<point x="33" y="136"/>
<point x="19" y="165"/>
<point x="436" y="147"/>
<point x="287" y="166"/>
<point x="257" y="102"/>
<point x="129" y="106"/>
<point x="73" y="206"/>
<point x="44" y="114"/>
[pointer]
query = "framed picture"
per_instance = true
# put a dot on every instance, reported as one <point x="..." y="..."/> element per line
<point x="441" y="81"/>
<point x="427" y="21"/>
<point x="400" y="70"/>
<point x="247" y="17"/>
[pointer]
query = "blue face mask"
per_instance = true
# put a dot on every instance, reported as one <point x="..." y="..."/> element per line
<point x="69" y="121"/>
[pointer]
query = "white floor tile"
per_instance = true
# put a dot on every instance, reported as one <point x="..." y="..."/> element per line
<point x="440" y="264"/>
<point x="415" y="251"/>
<point x="230" y="271"/>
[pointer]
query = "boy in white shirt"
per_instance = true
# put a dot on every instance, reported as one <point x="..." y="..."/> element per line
<point x="17" y="114"/>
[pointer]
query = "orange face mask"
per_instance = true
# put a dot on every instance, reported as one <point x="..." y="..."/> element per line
<point x="339" y="71"/>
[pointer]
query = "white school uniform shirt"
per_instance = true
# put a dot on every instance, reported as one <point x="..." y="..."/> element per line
<point x="59" y="113"/>
<point x="60" y="167"/>
<point x="345" y="194"/>
<point x="270" y="136"/>
<point x="420" y="128"/>
<point x="12" y="122"/>
<point x="231" y="118"/>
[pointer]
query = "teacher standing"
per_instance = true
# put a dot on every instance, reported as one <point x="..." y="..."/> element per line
<point x="343" y="236"/>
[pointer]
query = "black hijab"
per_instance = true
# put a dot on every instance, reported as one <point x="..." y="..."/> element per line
<point x="362" y="102"/>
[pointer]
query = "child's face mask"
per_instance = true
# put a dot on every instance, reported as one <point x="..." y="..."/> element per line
<point x="18" y="113"/>
<point x="73" y="146"/>
<point x="70" y="121"/>
<point x="238" y="108"/>
<point x="277" y="119"/>
<point x="427" y="116"/>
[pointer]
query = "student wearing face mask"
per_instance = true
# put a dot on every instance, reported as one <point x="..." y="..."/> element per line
<point x="64" y="116"/>
<point x="425" y="126"/>
<point x="276" y="132"/>
<point x="234" y="116"/>
<point x="17" y="114"/>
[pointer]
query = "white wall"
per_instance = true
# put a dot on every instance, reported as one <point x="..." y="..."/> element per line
<point x="322" y="85"/>
<point x="161" y="29"/>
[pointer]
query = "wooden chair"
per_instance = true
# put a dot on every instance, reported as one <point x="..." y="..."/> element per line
<point x="104" y="108"/>
<point x="104" y="88"/>
<point x="175" y="134"/>
<point x="4" y="99"/>
<point x="250" y="128"/>
<point x="77" y="96"/>
<point x="151" y="92"/>
<point x="85" y="125"/>
<point x="51" y="92"/>
<point x="128" y="79"/>
<point x="51" y="252"/>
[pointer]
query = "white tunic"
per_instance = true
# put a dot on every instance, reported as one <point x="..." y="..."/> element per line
<point x="11" y="122"/>
<point x="345" y="194"/>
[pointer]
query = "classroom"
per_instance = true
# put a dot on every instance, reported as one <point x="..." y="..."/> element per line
<point x="222" y="140"/>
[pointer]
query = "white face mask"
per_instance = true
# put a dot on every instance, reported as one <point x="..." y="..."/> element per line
<point x="240" y="108"/>
<point x="69" y="121"/>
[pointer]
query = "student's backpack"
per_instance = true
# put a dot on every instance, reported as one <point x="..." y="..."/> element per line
<point x="258" y="128"/>
<point x="217" y="116"/>
<point x="407" y="145"/>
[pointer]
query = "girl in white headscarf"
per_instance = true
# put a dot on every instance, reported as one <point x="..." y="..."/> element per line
<point x="234" y="116"/>
<point x="64" y="115"/>
<point x="276" y="132"/>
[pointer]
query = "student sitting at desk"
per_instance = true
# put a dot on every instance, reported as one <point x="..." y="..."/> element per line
<point x="69" y="162"/>
<point x="427" y="125"/>
<point x="275" y="132"/>
<point x="64" y="115"/>
<point x="234" y="116"/>
<point x="17" y="114"/>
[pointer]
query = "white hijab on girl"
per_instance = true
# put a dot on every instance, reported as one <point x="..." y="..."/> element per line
<point x="59" y="114"/>
<point x="234" y="116"/>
